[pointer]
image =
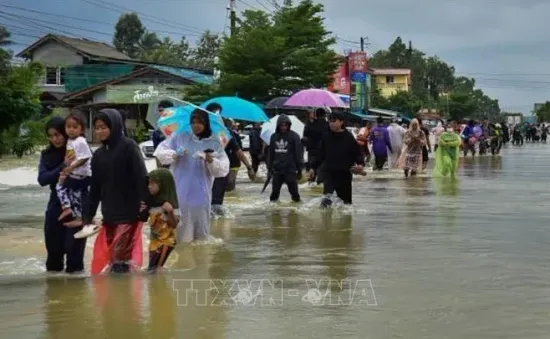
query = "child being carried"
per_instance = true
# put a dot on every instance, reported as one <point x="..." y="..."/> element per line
<point x="75" y="178"/>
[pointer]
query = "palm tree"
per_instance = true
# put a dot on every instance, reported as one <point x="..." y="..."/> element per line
<point x="5" y="37"/>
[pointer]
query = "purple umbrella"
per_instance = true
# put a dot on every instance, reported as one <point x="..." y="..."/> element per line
<point x="315" y="98"/>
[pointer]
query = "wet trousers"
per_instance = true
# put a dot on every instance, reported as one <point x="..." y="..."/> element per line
<point x="218" y="190"/>
<point x="64" y="251"/>
<point x="222" y="185"/>
<point x="158" y="257"/>
<point x="379" y="161"/>
<point x="311" y="158"/>
<point x="256" y="160"/>
<point x="291" y="182"/>
<point x="339" y="182"/>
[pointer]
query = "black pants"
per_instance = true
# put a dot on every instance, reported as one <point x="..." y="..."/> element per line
<point x="218" y="190"/>
<point x="158" y="258"/>
<point x="64" y="251"/>
<point x="255" y="162"/>
<point x="379" y="161"/>
<point x="291" y="182"/>
<point x="339" y="182"/>
<point x="311" y="158"/>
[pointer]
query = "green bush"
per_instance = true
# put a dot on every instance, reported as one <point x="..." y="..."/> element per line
<point x="24" y="139"/>
<point x="141" y="134"/>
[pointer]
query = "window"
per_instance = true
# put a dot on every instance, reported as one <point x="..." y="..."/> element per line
<point x="389" y="79"/>
<point x="55" y="76"/>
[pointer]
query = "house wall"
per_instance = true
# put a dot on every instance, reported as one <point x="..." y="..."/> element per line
<point x="400" y="83"/>
<point x="53" y="54"/>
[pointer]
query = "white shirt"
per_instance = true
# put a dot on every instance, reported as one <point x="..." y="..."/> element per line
<point x="79" y="147"/>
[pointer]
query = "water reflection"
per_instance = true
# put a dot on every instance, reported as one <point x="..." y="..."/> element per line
<point x="285" y="227"/>
<point x="335" y="238"/>
<point x="162" y="307"/>
<point x="68" y="312"/>
<point x="415" y="209"/>
<point x="447" y="202"/>
<point x="200" y="313"/>
<point x="119" y="302"/>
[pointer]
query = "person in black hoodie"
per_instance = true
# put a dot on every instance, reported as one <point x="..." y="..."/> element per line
<point x="313" y="134"/>
<point x="285" y="160"/>
<point x="341" y="156"/>
<point x="256" y="146"/>
<point x="119" y="182"/>
<point x="60" y="243"/>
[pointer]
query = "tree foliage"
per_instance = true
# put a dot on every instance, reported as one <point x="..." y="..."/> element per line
<point x="204" y="55"/>
<point x="129" y="33"/>
<point x="543" y="113"/>
<point x="271" y="55"/>
<point x="19" y="95"/>
<point x="132" y="38"/>
<point x="432" y="77"/>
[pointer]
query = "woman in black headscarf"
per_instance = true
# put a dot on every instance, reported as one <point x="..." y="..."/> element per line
<point x="59" y="239"/>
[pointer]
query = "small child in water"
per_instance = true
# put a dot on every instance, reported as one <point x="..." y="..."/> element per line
<point x="76" y="176"/>
<point x="163" y="216"/>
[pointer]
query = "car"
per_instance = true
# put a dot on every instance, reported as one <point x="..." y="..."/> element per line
<point x="147" y="148"/>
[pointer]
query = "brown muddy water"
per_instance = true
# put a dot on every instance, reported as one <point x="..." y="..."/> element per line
<point x="418" y="258"/>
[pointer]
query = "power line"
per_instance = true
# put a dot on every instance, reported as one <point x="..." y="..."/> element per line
<point x="147" y="17"/>
<point x="80" y="20"/>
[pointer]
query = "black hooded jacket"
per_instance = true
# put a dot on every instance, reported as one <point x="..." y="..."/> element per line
<point x="285" y="150"/>
<point x="339" y="151"/>
<point x="313" y="134"/>
<point x="119" y="176"/>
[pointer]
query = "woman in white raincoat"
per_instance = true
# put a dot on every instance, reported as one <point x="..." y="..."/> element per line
<point x="195" y="159"/>
<point x="397" y="133"/>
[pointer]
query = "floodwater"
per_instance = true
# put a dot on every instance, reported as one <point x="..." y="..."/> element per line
<point x="415" y="258"/>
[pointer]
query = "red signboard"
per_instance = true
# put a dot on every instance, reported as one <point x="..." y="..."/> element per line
<point x="357" y="62"/>
<point x="341" y="82"/>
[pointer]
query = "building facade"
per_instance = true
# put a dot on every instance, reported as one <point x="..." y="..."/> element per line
<point x="391" y="80"/>
<point x="90" y="75"/>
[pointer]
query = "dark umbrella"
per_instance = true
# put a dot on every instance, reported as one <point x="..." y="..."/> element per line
<point x="279" y="104"/>
<point x="276" y="103"/>
<point x="266" y="183"/>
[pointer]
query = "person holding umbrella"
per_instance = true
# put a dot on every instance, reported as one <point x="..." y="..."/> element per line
<point x="341" y="157"/>
<point x="286" y="159"/>
<point x="234" y="153"/>
<point x="256" y="146"/>
<point x="157" y="136"/>
<point x="313" y="134"/>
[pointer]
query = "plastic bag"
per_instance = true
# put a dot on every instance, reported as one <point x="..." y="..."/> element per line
<point x="118" y="248"/>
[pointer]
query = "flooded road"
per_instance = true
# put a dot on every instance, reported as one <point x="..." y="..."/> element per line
<point x="417" y="258"/>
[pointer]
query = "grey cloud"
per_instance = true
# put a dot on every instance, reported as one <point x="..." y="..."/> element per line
<point x="483" y="36"/>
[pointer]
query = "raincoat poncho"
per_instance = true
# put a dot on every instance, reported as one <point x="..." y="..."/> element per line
<point x="414" y="141"/>
<point x="194" y="176"/>
<point x="446" y="156"/>
<point x="397" y="133"/>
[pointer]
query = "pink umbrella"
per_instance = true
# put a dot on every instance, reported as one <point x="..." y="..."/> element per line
<point x="315" y="98"/>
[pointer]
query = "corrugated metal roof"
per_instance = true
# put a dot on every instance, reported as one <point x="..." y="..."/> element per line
<point x="94" y="48"/>
<point x="186" y="74"/>
<point x="84" y="46"/>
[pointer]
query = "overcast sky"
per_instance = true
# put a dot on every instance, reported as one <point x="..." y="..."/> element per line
<point x="502" y="43"/>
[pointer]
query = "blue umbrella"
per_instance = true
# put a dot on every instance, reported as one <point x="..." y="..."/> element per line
<point x="238" y="109"/>
<point x="176" y="120"/>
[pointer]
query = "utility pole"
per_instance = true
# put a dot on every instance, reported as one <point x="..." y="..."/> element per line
<point x="233" y="16"/>
<point x="365" y="88"/>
